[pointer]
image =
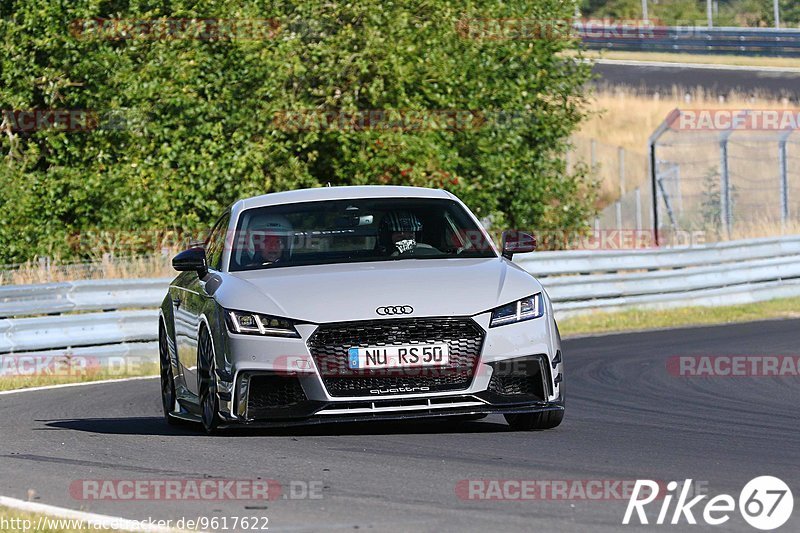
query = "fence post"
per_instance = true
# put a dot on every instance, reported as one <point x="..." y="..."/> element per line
<point x="593" y="153"/>
<point x="653" y="167"/>
<point x="725" y="186"/>
<point x="782" y="162"/>
<point x="621" y="155"/>
<point x="637" y="196"/>
<point x="618" y="213"/>
<point x="44" y="266"/>
<point x="652" y="161"/>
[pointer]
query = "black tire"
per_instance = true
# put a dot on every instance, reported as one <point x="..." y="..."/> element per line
<point x="207" y="383"/>
<point x="535" y="421"/>
<point x="168" y="396"/>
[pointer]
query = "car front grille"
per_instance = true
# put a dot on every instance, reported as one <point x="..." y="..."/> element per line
<point x="330" y="343"/>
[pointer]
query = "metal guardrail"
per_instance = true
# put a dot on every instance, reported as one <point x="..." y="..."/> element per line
<point x="86" y="329"/>
<point x="577" y="281"/>
<point x="587" y="261"/>
<point x="85" y="295"/>
<point x="693" y="39"/>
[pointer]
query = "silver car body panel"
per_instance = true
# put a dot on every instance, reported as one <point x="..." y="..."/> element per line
<point x="334" y="293"/>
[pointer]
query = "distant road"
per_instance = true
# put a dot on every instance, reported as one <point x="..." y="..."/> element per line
<point x="719" y="79"/>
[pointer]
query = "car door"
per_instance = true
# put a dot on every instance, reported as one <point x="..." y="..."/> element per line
<point x="188" y="303"/>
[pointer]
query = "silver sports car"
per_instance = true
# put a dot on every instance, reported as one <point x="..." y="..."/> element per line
<point x="356" y="304"/>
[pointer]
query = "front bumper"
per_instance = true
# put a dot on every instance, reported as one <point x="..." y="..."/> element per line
<point x="396" y="415"/>
<point x="279" y="382"/>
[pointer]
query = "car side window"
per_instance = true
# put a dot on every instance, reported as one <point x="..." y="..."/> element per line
<point x="215" y="246"/>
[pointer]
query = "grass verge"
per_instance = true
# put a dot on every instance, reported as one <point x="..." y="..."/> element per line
<point x="641" y="319"/>
<point x="742" y="61"/>
<point x="64" y="375"/>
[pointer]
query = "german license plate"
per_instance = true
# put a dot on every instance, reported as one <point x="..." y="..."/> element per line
<point x="412" y="355"/>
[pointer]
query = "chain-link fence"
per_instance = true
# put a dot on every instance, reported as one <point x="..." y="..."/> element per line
<point x="624" y="183"/>
<point x="722" y="173"/>
<point x="729" y="173"/>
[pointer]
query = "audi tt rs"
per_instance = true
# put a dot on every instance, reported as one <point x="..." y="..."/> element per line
<point x="357" y="304"/>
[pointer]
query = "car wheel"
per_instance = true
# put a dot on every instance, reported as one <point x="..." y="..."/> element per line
<point x="535" y="421"/>
<point x="168" y="396"/>
<point x="207" y="386"/>
<point x="538" y="421"/>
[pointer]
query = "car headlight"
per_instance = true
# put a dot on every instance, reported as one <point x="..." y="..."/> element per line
<point x="256" y="324"/>
<point x="524" y="309"/>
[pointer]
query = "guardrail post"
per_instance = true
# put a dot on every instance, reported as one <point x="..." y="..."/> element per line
<point x="621" y="155"/>
<point x="618" y="214"/>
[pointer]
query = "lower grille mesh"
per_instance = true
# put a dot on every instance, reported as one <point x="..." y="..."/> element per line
<point x="269" y="392"/>
<point x="523" y="376"/>
<point x="329" y="345"/>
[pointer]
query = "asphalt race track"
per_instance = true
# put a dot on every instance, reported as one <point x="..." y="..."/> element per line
<point x="627" y="418"/>
<point x="654" y="78"/>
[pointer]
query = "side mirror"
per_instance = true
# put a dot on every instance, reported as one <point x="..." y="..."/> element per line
<point x="191" y="259"/>
<point x="517" y="242"/>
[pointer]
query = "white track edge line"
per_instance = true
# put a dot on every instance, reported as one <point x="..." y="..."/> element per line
<point x="77" y="384"/>
<point x="96" y="520"/>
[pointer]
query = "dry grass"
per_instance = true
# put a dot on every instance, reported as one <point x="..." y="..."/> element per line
<point x="149" y="266"/>
<point x="626" y="118"/>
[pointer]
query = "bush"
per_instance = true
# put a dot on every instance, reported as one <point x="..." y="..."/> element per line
<point x="187" y="126"/>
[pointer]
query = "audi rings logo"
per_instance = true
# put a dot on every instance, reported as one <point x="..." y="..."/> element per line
<point x="395" y="310"/>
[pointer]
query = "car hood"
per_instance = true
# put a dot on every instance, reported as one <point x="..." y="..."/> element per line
<point x="353" y="291"/>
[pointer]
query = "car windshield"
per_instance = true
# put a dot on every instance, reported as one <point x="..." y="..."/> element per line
<point x="347" y="231"/>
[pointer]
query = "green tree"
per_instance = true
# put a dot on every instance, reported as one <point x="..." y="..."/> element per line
<point x="201" y="121"/>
